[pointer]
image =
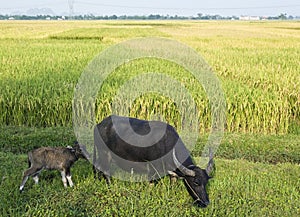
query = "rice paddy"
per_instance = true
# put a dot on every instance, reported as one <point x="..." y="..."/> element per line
<point x="257" y="63"/>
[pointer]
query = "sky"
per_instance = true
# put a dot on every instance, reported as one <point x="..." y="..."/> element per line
<point x="162" y="7"/>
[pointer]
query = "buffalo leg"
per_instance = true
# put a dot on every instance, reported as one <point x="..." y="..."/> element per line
<point x="101" y="167"/>
<point x="153" y="174"/>
<point x="105" y="169"/>
<point x="97" y="172"/>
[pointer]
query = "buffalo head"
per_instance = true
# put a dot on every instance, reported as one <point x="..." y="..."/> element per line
<point x="195" y="180"/>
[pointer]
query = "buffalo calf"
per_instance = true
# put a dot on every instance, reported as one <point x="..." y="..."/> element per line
<point x="53" y="158"/>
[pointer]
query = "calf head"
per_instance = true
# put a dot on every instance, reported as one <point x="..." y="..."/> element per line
<point x="80" y="151"/>
<point x="195" y="180"/>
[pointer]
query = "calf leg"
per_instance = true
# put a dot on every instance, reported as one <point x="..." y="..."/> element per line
<point x="68" y="174"/>
<point x="25" y="178"/>
<point x="70" y="181"/>
<point x="29" y="172"/>
<point x="36" y="178"/>
<point x="63" y="178"/>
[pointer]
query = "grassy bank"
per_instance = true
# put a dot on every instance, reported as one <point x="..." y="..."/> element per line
<point x="239" y="188"/>
<point x="256" y="175"/>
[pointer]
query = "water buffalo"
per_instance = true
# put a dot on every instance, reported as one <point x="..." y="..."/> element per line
<point x="152" y="147"/>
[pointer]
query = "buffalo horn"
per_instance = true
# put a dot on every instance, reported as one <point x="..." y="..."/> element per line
<point x="182" y="168"/>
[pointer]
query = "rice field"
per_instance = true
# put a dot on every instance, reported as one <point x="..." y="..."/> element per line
<point x="257" y="164"/>
<point x="257" y="63"/>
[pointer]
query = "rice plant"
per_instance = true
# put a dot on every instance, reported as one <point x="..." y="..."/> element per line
<point x="259" y="71"/>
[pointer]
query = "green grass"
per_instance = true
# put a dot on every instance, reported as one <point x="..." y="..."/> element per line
<point x="256" y="175"/>
<point x="239" y="188"/>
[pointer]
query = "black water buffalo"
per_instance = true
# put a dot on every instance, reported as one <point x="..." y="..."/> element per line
<point x="151" y="147"/>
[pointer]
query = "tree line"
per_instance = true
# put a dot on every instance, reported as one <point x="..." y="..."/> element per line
<point x="199" y="16"/>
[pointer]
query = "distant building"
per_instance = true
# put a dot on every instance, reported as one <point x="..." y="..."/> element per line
<point x="249" y="18"/>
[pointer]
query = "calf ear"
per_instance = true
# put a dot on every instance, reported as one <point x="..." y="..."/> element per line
<point x="71" y="148"/>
